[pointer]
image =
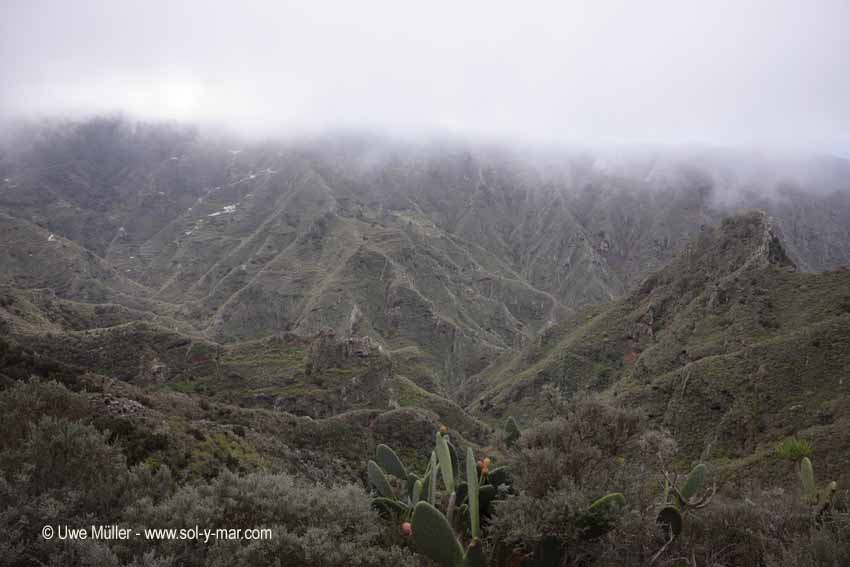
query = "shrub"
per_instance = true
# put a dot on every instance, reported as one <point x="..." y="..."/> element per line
<point x="26" y="402"/>
<point x="793" y="449"/>
<point x="580" y="447"/>
<point x="312" y="524"/>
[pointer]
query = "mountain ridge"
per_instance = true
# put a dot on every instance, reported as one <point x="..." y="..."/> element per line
<point x="447" y="258"/>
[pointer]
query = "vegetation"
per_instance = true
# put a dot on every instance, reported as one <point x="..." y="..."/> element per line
<point x="794" y="449"/>
<point x="190" y="337"/>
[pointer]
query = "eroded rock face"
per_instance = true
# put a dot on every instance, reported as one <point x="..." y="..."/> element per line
<point x="347" y="373"/>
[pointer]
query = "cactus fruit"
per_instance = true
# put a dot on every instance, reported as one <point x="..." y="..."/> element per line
<point x="512" y="432"/>
<point x="389" y="462"/>
<point x="406" y="529"/>
<point x="378" y="480"/>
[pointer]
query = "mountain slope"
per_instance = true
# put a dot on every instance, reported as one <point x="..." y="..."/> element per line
<point x="455" y="253"/>
<point x="730" y="347"/>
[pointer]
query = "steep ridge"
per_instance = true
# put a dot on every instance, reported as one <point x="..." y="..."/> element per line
<point x="730" y="347"/>
<point x="446" y="256"/>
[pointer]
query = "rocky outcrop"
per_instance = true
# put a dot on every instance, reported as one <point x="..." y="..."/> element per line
<point x="347" y="373"/>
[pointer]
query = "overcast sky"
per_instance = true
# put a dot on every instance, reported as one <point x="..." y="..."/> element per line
<point x="739" y="72"/>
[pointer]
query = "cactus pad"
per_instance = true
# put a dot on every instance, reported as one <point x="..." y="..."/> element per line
<point x="389" y="461"/>
<point x="434" y="538"/>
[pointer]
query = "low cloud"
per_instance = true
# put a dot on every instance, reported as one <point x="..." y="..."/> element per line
<point x="764" y="73"/>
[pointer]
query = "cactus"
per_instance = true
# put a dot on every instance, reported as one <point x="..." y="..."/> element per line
<point x="378" y="480"/>
<point x="445" y="460"/>
<point x="434" y="537"/>
<point x="499" y="476"/>
<point x="390" y="507"/>
<point x="416" y="488"/>
<point x="472" y="482"/>
<point x="512" y="432"/>
<point x="695" y="481"/>
<point x="820" y="500"/>
<point x="432" y="482"/>
<point x="389" y="462"/>
<point x="432" y="531"/>
<point x="670" y="518"/>
<point x="679" y="502"/>
<point x="416" y="491"/>
<point x="486" y="494"/>
<point x="598" y="519"/>
<point x="610" y="503"/>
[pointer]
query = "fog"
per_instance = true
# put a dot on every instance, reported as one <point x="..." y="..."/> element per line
<point x="767" y="73"/>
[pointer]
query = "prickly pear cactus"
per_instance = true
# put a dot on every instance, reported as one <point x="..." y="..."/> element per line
<point x="389" y="507"/>
<point x="670" y="519"/>
<point x="695" y="481"/>
<point x="445" y="459"/>
<point x="679" y="503"/>
<point x="472" y="482"/>
<point x="599" y="518"/>
<point x="433" y="536"/>
<point x="378" y="480"/>
<point x="475" y="555"/>
<point x="389" y="462"/>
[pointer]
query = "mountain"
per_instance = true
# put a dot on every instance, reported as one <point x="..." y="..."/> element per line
<point x="447" y="255"/>
<point x="730" y="347"/>
<point x="196" y="327"/>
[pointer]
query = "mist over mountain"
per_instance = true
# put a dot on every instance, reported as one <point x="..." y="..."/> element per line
<point x="454" y="250"/>
<point x="765" y="74"/>
<point x="233" y="308"/>
<point x="464" y="284"/>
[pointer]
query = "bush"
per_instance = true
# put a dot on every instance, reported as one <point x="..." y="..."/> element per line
<point x="26" y="402"/>
<point x="312" y="524"/>
<point x="567" y="462"/>
<point x="793" y="449"/>
<point x="63" y="472"/>
<point x="582" y="447"/>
